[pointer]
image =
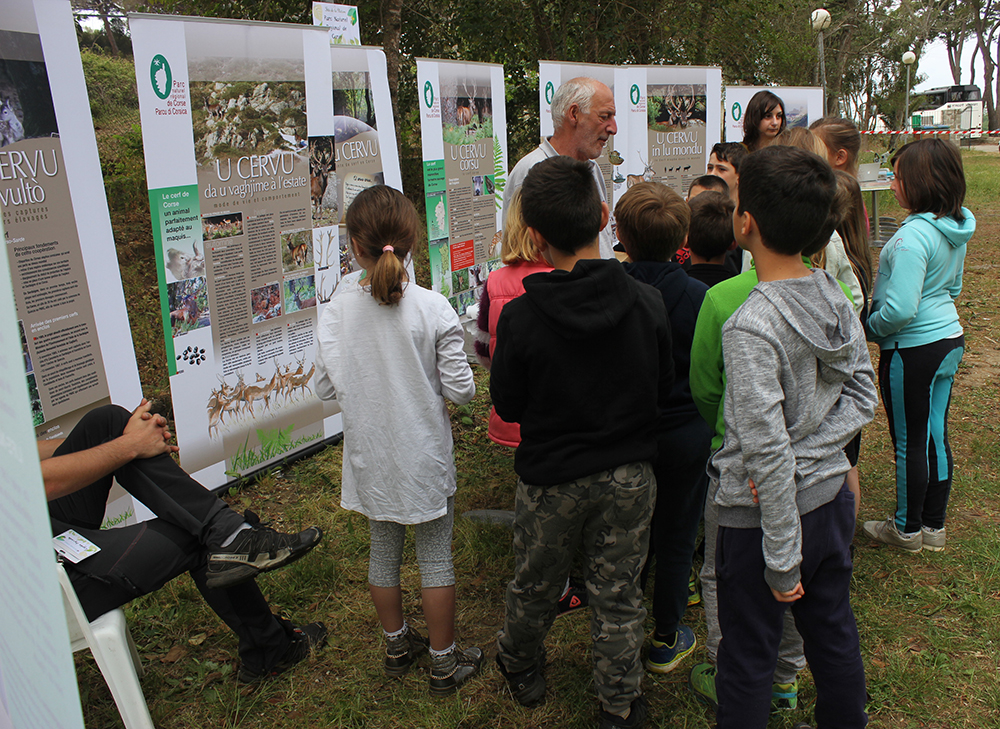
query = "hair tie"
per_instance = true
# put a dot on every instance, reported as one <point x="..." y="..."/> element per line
<point x="388" y="248"/>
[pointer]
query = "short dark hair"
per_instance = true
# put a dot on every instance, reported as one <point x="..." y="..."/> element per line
<point x="732" y="152"/>
<point x="757" y="108"/>
<point x="710" y="182"/>
<point x="933" y="177"/>
<point x="559" y="199"/>
<point x="789" y="192"/>
<point x="711" y="231"/>
<point x="652" y="221"/>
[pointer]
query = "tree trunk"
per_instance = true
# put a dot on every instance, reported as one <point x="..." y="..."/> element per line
<point x="109" y="33"/>
<point x="392" y="29"/>
<point x="985" y="26"/>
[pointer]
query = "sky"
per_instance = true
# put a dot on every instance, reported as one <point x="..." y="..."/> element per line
<point x="934" y="63"/>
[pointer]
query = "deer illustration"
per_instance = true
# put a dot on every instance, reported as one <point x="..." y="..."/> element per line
<point x="646" y="175"/>
<point x="302" y="381"/>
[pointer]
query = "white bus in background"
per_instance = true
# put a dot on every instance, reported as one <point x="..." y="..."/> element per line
<point x="955" y="108"/>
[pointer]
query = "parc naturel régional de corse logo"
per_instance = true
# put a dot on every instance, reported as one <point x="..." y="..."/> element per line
<point x="633" y="94"/>
<point x="550" y="91"/>
<point x="160" y="76"/>
<point x="737" y="111"/>
<point x="429" y="94"/>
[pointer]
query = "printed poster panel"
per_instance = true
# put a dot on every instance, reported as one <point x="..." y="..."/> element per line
<point x="673" y="119"/>
<point x="232" y="164"/>
<point x="464" y="140"/>
<point x="552" y="75"/>
<point x="361" y="153"/>
<point x="38" y="685"/>
<point x="37" y="677"/>
<point x="342" y="20"/>
<point x="76" y="348"/>
<point x="803" y="106"/>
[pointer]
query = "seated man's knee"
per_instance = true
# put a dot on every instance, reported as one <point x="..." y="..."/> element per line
<point x="112" y="418"/>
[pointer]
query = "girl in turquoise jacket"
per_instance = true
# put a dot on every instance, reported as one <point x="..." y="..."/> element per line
<point x="916" y="326"/>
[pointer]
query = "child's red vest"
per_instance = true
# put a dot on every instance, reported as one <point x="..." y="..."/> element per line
<point x="502" y="286"/>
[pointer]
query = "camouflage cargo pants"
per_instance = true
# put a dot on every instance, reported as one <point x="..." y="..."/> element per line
<point x="606" y="517"/>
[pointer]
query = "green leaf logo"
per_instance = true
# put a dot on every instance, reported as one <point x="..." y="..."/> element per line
<point x="160" y="77"/>
<point x="737" y="112"/>
<point x="429" y="94"/>
<point x="634" y="94"/>
<point x="550" y="91"/>
<point x="353" y="15"/>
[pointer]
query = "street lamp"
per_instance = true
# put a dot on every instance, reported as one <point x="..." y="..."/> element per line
<point x="908" y="59"/>
<point x="821" y="21"/>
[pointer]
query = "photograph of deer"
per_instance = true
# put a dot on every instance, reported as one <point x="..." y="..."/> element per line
<point x="466" y="109"/>
<point x="322" y="168"/>
<point x="300" y="293"/>
<point x="227" y="225"/>
<point x="265" y="302"/>
<point x="675" y="107"/>
<point x="188" y="304"/>
<point x="296" y="250"/>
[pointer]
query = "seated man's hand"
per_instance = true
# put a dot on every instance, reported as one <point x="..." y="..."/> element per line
<point x="147" y="432"/>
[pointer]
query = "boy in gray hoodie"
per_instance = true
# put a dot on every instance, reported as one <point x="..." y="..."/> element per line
<point x="800" y="385"/>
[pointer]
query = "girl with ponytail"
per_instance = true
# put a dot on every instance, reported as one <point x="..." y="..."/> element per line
<point x="391" y="352"/>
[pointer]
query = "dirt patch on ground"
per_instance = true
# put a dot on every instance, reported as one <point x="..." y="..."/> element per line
<point x="983" y="368"/>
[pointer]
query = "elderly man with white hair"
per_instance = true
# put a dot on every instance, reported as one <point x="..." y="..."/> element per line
<point x="583" y="116"/>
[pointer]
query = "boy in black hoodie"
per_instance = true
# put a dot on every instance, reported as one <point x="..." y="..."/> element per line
<point x="588" y="436"/>
<point x="652" y="223"/>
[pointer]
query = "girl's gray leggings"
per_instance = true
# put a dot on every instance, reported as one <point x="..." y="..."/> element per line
<point x="433" y="540"/>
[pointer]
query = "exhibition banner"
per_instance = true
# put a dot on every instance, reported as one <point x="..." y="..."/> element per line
<point x="71" y="312"/>
<point x="37" y="676"/>
<point x="671" y="117"/>
<point x="361" y="153"/>
<point x="75" y="339"/>
<point x="55" y="226"/>
<point x="803" y="106"/>
<point x="342" y="20"/>
<point x="464" y="139"/>
<point x="239" y="127"/>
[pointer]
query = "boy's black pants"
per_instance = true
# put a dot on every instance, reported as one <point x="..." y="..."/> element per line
<point x="751" y="620"/>
<point x="140" y="558"/>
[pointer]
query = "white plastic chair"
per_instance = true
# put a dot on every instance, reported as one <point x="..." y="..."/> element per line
<point x="111" y="643"/>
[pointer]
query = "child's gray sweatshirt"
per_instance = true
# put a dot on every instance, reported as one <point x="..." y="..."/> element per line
<point x="799" y="386"/>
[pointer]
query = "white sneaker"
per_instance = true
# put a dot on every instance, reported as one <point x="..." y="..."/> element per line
<point x="886" y="532"/>
<point x="933" y="539"/>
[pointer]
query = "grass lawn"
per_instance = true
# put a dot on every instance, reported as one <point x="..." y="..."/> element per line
<point x="930" y="623"/>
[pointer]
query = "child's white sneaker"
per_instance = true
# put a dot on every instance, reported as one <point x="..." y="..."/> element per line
<point x="933" y="539"/>
<point x="886" y="532"/>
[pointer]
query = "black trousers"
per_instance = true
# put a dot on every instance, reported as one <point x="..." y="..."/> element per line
<point x="139" y="559"/>
<point x="752" y="622"/>
<point x="681" y="485"/>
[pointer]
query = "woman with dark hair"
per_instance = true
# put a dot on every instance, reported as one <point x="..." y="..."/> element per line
<point x="763" y="120"/>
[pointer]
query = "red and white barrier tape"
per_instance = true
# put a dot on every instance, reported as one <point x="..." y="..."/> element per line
<point x="943" y="131"/>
